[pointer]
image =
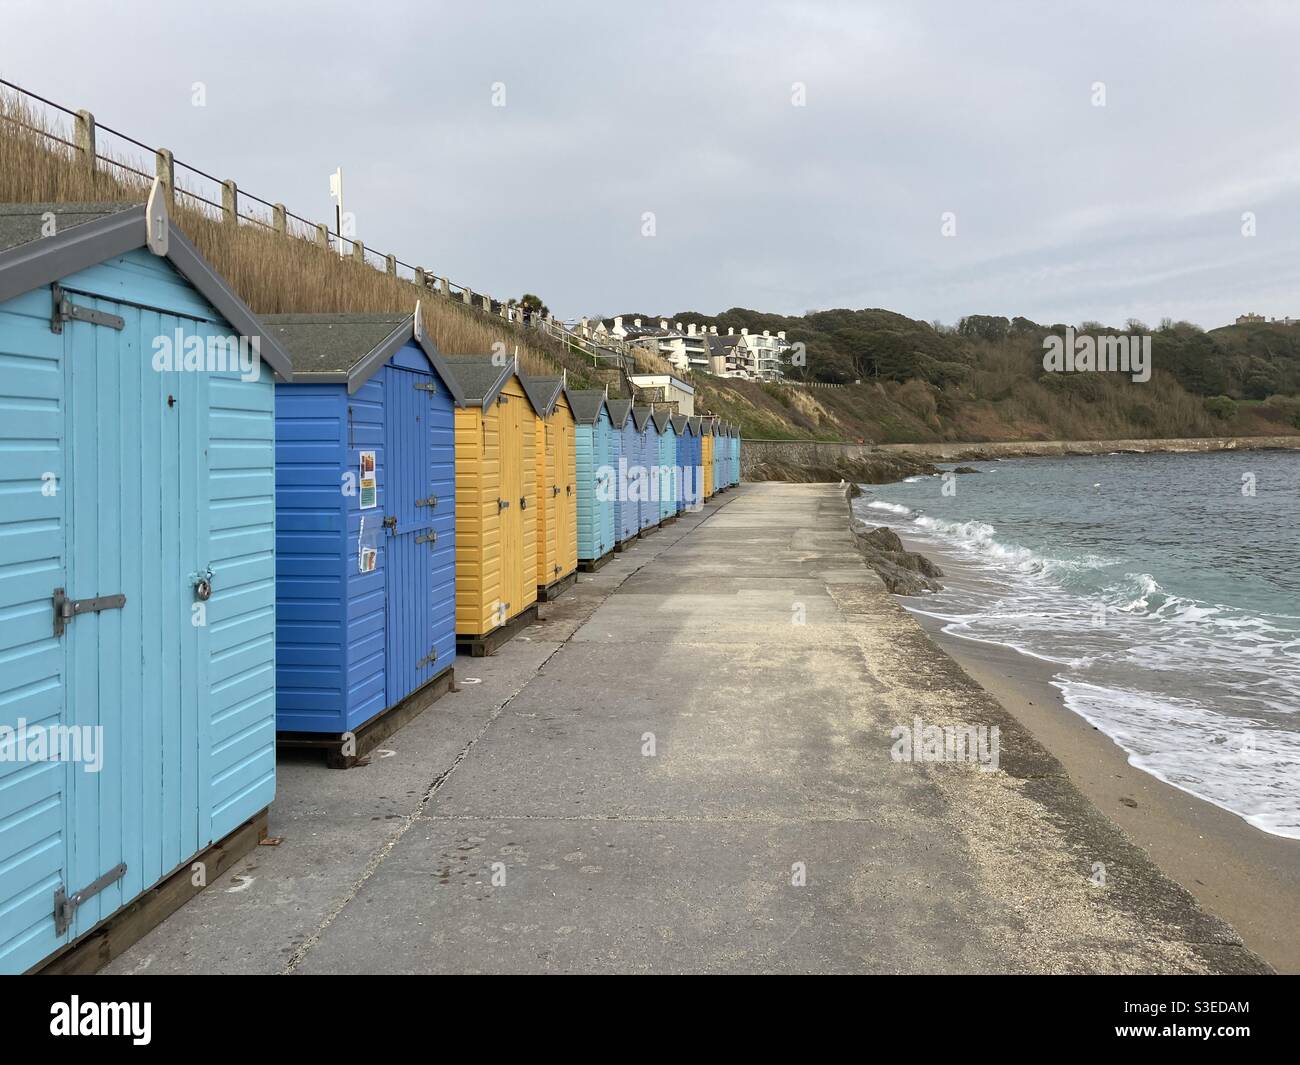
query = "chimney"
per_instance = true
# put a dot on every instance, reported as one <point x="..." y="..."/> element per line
<point x="663" y="323"/>
<point x="780" y="334"/>
<point x="679" y="327"/>
<point x="766" y="333"/>
<point x="690" y="329"/>
<point x="744" y="331"/>
<point x="618" y="322"/>
<point x="713" y="329"/>
<point x="636" y="322"/>
<point x="731" y="330"/>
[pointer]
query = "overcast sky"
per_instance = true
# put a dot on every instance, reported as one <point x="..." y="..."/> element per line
<point x="1064" y="210"/>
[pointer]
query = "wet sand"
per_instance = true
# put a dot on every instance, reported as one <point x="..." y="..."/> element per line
<point x="1249" y="878"/>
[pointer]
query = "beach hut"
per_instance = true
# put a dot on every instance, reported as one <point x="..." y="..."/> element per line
<point x="724" y="455"/>
<point x="625" y="442"/>
<point x="666" y="472"/>
<point x="681" y="438"/>
<point x="641" y="477"/>
<point x="137" y="557"/>
<point x="719" y="455"/>
<point x="707" y="462"/>
<point x="735" y="454"/>
<point x="693" y="470"/>
<point x="557" y="486"/>
<point x="365" y="579"/>
<point x="597" y="480"/>
<point x="496" y="503"/>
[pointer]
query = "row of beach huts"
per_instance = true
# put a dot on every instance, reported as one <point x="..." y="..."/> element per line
<point x="224" y="534"/>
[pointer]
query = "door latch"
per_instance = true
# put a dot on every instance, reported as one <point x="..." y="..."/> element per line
<point x="65" y="905"/>
<point x="390" y="522"/>
<point x="66" y="609"/>
<point x="502" y="504"/>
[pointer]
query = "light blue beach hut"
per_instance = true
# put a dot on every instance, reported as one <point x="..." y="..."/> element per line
<point x="647" y="458"/>
<point x="596" y="479"/>
<point x="137" y="566"/>
<point x="665" y="475"/>
<point x="626" y="513"/>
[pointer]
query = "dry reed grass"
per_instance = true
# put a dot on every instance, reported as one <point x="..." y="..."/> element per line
<point x="272" y="273"/>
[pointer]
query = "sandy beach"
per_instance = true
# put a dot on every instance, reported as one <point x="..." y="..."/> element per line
<point x="1246" y="876"/>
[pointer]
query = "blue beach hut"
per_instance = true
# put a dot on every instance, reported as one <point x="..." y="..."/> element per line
<point x="681" y="435"/>
<point x="365" y="516"/>
<point x="137" y="559"/>
<point x="626" y="442"/>
<point x="641" y="476"/>
<point x="665" y="474"/>
<point x="596" y="479"/>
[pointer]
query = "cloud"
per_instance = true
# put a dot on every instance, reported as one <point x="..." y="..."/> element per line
<point x="1065" y="211"/>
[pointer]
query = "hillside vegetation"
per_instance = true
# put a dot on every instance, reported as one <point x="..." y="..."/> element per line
<point x="984" y="380"/>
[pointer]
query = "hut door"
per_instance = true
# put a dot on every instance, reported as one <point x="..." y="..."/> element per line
<point x="548" y="529"/>
<point x="510" y="425"/>
<point x="565" y="507"/>
<point x="408" y="517"/>
<point x="134" y="630"/>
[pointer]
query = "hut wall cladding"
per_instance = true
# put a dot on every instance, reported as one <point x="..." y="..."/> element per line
<point x="494" y="583"/>
<point x="557" y="494"/>
<point x="160" y="476"/>
<point x="595" y="471"/>
<point x="352" y="644"/>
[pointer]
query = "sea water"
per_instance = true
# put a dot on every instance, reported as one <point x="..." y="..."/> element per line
<point x="1164" y="589"/>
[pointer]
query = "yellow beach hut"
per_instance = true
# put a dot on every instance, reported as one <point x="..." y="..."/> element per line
<point x="496" y="504"/>
<point x="557" y="486"/>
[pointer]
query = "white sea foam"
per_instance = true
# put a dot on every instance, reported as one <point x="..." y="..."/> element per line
<point x="1201" y="695"/>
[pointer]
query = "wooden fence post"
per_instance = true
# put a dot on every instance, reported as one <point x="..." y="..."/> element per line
<point x="230" y="201"/>
<point x="85" y="140"/>
<point x="164" y="168"/>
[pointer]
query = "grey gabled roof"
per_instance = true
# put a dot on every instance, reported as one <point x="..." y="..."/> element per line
<point x="587" y="405"/>
<point x="681" y="423"/>
<point x="641" y="416"/>
<point x="544" y="392"/>
<point x="706" y="426"/>
<point x="482" y="377"/>
<point x="87" y="234"/>
<point x="619" y="410"/>
<point x="350" y="348"/>
<point x="663" y="419"/>
<point x="693" y="424"/>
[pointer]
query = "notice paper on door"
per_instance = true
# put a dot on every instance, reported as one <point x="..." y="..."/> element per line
<point x="369" y="494"/>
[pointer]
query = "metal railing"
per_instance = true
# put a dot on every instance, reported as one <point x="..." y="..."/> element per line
<point x="221" y="198"/>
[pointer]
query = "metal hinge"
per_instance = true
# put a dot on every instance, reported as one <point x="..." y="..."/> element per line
<point x="428" y="659"/>
<point x="66" y="609"/>
<point x="502" y="504"/>
<point x="65" y="310"/>
<point x="432" y="501"/>
<point x="65" y="905"/>
<point x="426" y="538"/>
<point x="426" y="386"/>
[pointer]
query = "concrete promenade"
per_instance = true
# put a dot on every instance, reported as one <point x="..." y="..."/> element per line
<point x="686" y="766"/>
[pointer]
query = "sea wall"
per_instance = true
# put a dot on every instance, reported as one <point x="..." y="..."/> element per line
<point x="819" y="461"/>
